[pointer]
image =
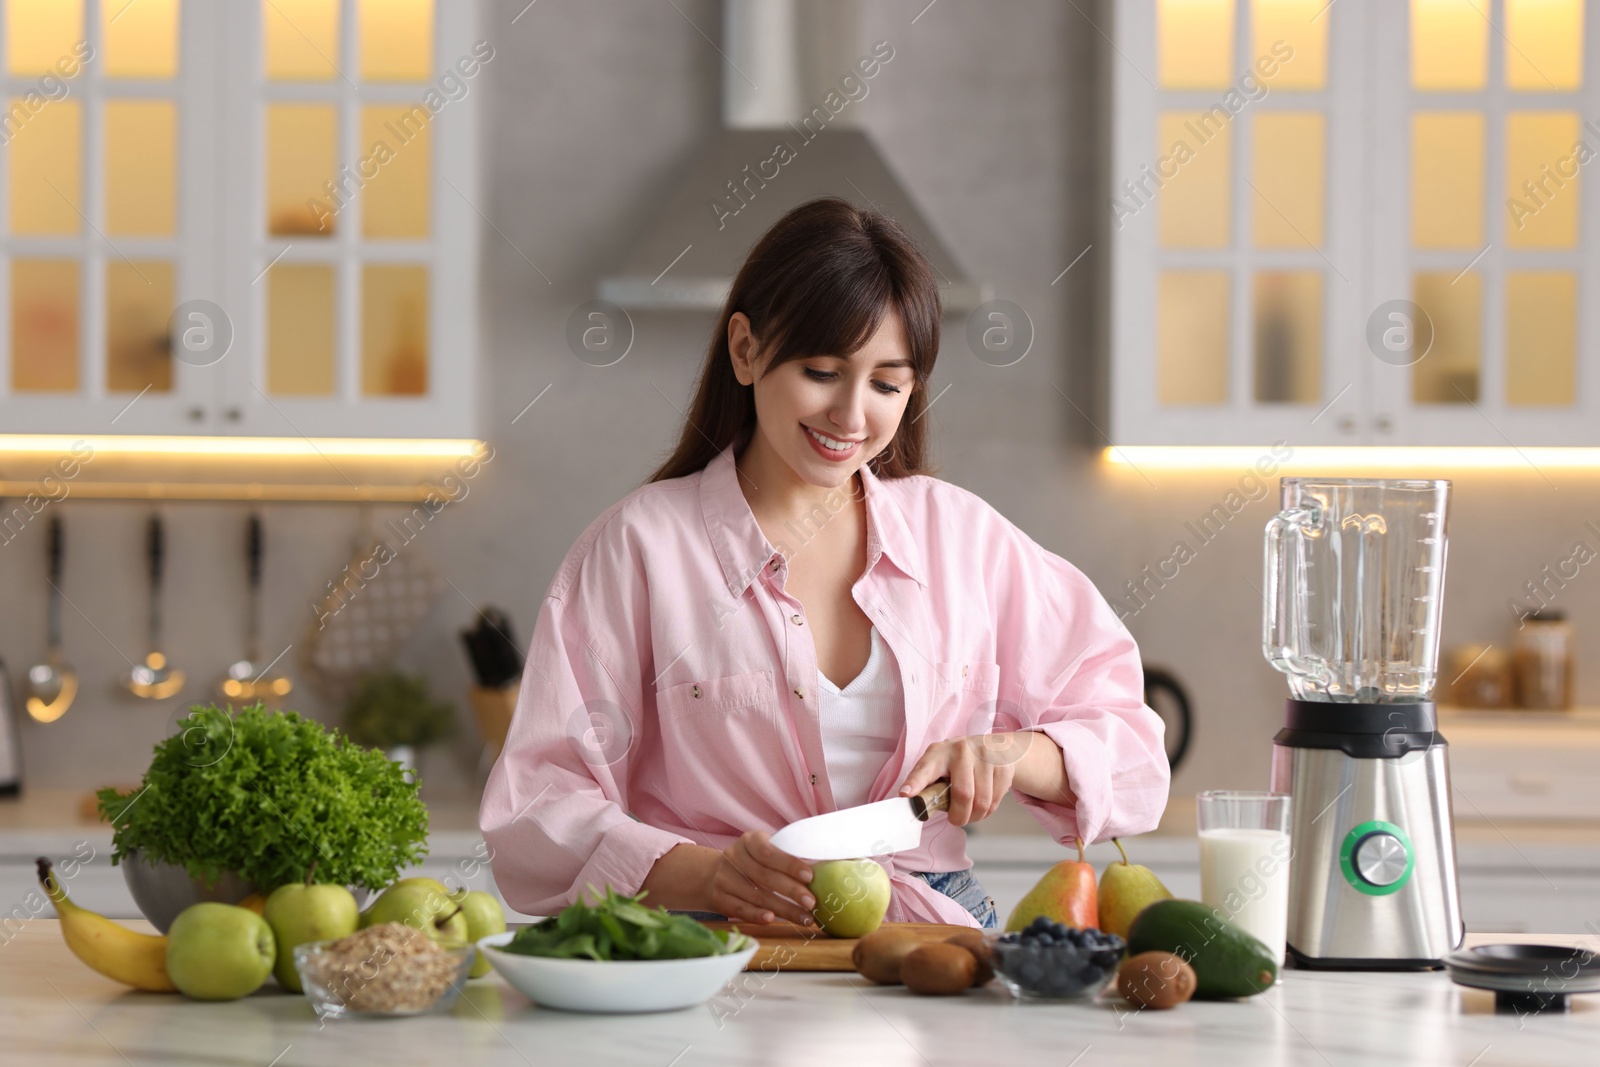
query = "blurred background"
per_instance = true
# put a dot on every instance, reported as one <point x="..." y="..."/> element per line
<point x="438" y="274"/>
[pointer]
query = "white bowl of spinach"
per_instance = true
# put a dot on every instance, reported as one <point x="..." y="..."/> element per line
<point x="618" y="955"/>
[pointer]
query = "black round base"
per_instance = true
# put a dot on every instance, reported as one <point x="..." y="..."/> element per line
<point x="1531" y="1003"/>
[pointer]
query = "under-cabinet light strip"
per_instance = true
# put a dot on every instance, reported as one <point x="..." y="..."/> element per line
<point x="271" y="447"/>
<point x="1463" y="457"/>
<point x="269" y="493"/>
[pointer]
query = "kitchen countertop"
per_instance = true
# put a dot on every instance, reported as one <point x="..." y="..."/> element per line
<point x="54" y="1010"/>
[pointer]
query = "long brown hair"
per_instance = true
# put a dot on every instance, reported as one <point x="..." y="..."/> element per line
<point x="818" y="283"/>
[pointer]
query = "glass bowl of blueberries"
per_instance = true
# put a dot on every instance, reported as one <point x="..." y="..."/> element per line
<point x="1050" y="961"/>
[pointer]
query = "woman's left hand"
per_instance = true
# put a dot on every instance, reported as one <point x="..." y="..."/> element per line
<point x="981" y="769"/>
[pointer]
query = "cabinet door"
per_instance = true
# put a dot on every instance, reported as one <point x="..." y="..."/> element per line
<point x="350" y="236"/>
<point x="1237" y="217"/>
<point x="1483" y="223"/>
<point x="97" y="246"/>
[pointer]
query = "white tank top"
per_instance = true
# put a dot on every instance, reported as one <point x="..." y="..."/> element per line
<point x="861" y="724"/>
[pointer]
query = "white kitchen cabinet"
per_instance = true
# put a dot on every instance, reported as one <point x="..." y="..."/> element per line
<point x="319" y="198"/>
<point x="1523" y="765"/>
<point x="1355" y="155"/>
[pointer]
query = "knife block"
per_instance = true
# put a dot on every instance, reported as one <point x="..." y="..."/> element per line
<point x="492" y="708"/>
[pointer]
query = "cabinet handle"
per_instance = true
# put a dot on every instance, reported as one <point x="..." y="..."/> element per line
<point x="1530" y="785"/>
<point x="197" y="414"/>
<point x="1383" y="423"/>
<point x="235" y="414"/>
<point x="1347" y="423"/>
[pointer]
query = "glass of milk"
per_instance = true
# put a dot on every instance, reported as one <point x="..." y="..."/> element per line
<point x="1244" y="861"/>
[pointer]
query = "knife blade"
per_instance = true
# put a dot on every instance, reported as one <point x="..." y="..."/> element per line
<point x="875" y="829"/>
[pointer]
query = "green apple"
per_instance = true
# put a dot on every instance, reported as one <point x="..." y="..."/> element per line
<point x="302" y="912"/>
<point x="852" y="896"/>
<point x="219" y="951"/>
<point x="485" y="916"/>
<point x="422" y="903"/>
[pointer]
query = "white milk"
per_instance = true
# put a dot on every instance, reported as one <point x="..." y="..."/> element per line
<point x="1244" y="874"/>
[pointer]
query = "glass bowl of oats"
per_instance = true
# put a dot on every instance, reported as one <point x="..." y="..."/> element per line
<point x="383" y="971"/>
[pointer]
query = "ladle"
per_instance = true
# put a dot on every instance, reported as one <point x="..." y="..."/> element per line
<point x="52" y="685"/>
<point x="248" y="680"/>
<point x="155" y="678"/>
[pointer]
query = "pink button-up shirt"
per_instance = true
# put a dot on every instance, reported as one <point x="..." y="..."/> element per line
<point x="670" y="693"/>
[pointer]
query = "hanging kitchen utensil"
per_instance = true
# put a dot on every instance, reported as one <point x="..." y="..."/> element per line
<point x="249" y="680"/>
<point x="10" y="741"/>
<point x="52" y="685"/>
<point x="369" y="610"/>
<point x="155" y="678"/>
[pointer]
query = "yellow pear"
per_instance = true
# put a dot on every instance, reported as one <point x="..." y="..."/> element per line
<point x="1126" y="889"/>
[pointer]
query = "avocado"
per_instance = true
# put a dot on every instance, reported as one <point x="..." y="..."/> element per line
<point x="1227" y="962"/>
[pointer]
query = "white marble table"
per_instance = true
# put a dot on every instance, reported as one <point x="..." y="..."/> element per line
<point x="53" y="1010"/>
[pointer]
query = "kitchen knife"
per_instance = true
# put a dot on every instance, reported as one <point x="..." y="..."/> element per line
<point x="868" y="830"/>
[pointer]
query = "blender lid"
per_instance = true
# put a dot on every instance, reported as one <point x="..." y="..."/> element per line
<point x="1527" y="977"/>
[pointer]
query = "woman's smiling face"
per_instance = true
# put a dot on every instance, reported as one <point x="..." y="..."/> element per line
<point x="826" y="416"/>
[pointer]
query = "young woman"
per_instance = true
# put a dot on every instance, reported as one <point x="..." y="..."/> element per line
<point x="790" y="617"/>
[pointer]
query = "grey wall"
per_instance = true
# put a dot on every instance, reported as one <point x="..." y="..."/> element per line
<point x="990" y="113"/>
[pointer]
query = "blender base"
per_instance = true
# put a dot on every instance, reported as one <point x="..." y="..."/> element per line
<point x="1372" y="880"/>
<point x="1301" y="962"/>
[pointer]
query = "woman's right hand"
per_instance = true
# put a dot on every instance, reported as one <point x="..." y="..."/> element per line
<point x="755" y="881"/>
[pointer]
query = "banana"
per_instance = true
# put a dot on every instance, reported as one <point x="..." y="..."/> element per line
<point x="132" y="958"/>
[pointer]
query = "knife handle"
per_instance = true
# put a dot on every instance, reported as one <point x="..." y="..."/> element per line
<point x="935" y="797"/>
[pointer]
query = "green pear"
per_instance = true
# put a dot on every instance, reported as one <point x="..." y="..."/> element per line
<point x="1126" y="889"/>
<point x="484" y="916"/>
<point x="422" y="903"/>
<point x="852" y="896"/>
<point x="219" y="951"/>
<point x="301" y="912"/>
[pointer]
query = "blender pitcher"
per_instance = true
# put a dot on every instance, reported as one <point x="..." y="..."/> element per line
<point x="1354" y="571"/>
<point x="1354" y="577"/>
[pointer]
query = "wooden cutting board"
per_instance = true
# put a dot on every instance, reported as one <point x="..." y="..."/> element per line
<point x="791" y="947"/>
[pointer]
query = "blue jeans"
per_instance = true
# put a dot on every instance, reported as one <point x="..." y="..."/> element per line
<point x="964" y="889"/>
<point x="959" y="886"/>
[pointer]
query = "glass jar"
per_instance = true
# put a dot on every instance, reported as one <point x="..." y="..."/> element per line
<point x="1541" y="656"/>
<point x="1482" y="677"/>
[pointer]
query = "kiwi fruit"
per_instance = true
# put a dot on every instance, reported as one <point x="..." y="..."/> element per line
<point x="1156" y="980"/>
<point x="974" y="942"/>
<point x="878" y="955"/>
<point x="938" y="969"/>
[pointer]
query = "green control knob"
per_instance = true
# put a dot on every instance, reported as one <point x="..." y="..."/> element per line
<point x="1376" y="858"/>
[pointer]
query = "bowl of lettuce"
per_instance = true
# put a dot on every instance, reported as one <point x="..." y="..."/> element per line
<point x="616" y="955"/>
<point x="248" y="801"/>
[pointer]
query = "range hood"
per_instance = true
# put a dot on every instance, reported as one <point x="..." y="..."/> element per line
<point x="792" y="91"/>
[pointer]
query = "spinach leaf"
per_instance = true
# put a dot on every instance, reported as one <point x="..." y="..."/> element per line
<point x="619" y="927"/>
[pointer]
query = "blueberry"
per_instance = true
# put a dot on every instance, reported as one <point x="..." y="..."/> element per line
<point x="1090" y="974"/>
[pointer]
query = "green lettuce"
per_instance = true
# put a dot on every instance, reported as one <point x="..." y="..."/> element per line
<point x="264" y="794"/>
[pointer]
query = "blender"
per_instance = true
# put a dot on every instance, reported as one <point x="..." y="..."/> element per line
<point x="1354" y="581"/>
